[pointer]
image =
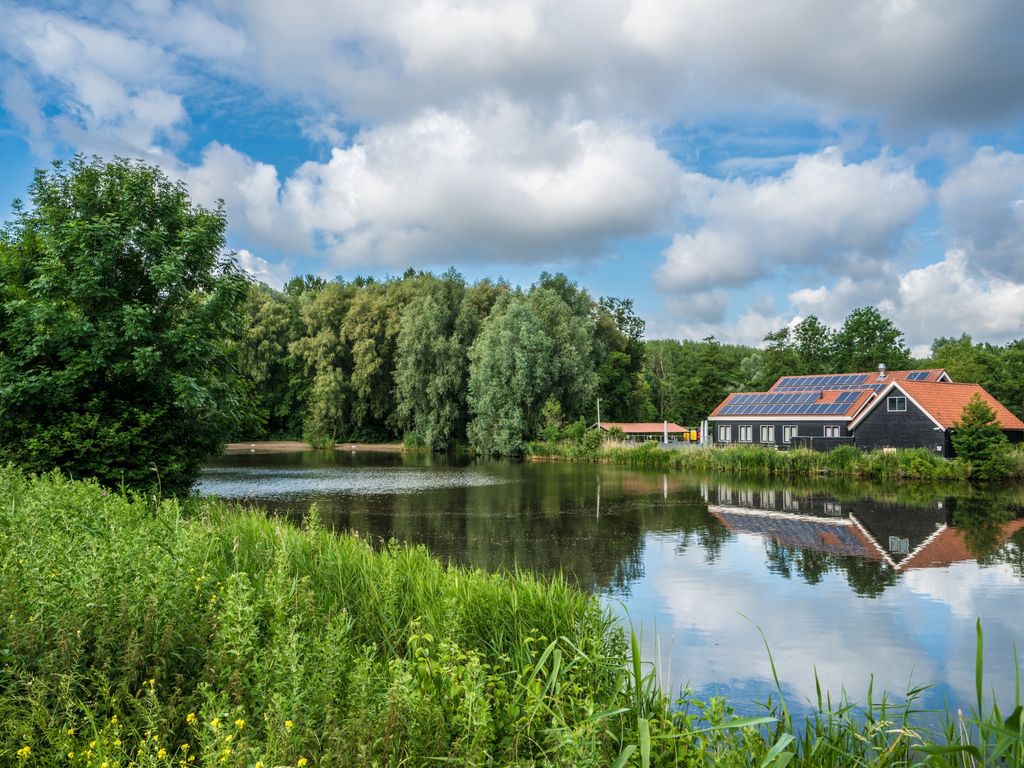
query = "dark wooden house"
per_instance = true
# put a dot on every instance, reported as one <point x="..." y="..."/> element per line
<point x="921" y="414"/>
<point x="805" y="411"/>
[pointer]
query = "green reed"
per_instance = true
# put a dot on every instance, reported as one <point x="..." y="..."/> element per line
<point x="148" y="633"/>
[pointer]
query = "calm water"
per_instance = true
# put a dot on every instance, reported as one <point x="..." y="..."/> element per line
<point x="845" y="579"/>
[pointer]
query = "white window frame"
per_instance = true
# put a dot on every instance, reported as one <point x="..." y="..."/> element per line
<point x="831" y="430"/>
<point x="894" y="400"/>
<point x="725" y="433"/>
<point x="768" y="433"/>
<point x="745" y="429"/>
<point x="789" y="431"/>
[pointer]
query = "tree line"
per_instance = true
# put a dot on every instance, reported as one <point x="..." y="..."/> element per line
<point x="437" y="361"/>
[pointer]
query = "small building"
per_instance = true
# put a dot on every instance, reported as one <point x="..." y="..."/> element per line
<point x="805" y="411"/>
<point x="921" y="414"/>
<point x="641" y="431"/>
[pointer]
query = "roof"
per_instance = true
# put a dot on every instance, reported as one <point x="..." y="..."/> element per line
<point x="837" y="536"/>
<point x="948" y="546"/>
<point x="835" y="396"/>
<point x="945" y="401"/>
<point x="642" y="427"/>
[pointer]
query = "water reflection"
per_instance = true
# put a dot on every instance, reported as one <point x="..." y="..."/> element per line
<point x="853" y="579"/>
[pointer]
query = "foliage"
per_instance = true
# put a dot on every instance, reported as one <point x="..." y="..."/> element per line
<point x="117" y="307"/>
<point x="977" y="438"/>
<point x="905" y="464"/>
<point x="146" y="635"/>
<point x="511" y="373"/>
<point x="867" y="339"/>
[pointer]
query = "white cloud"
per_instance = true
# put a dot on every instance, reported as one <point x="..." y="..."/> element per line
<point x="823" y="213"/>
<point x="110" y="86"/>
<point x="494" y="182"/>
<point x="274" y="274"/>
<point x="982" y="203"/>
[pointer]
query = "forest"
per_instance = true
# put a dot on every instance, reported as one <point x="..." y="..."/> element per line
<point x="442" y="363"/>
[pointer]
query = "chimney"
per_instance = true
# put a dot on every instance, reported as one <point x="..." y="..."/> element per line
<point x="881" y="371"/>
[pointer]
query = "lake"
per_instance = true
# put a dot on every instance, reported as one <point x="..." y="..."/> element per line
<point x="848" y="580"/>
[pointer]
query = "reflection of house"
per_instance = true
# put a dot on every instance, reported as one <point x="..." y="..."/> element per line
<point x="649" y="430"/>
<point x="899" y="409"/>
<point x="837" y="536"/>
<point x="903" y="538"/>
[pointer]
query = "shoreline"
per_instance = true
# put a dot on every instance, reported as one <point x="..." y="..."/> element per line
<point x="296" y="446"/>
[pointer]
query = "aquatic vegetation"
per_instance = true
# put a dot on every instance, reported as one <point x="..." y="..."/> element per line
<point x="170" y="634"/>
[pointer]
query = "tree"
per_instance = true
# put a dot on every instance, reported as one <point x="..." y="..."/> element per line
<point x="867" y="339"/>
<point x="978" y="438"/>
<point x="117" y="310"/>
<point x="512" y="373"/>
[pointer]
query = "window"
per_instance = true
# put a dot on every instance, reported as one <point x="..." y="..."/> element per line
<point x="767" y="434"/>
<point x="896" y="404"/>
<point x="724" y="433"/>
<point x="831" y="430"/>
<point x="899" y="546"/>
<point x="788" y="433"/>
<point x="746" y="433"/>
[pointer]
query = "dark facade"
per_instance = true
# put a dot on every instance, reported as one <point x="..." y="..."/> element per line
<point x="810" y="434"/>
<point x="911" y="428"/>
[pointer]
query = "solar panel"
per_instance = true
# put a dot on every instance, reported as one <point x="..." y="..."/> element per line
<point x="918" y="376"/>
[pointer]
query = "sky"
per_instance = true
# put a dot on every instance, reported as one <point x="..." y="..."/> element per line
<point x="731" y="166"/>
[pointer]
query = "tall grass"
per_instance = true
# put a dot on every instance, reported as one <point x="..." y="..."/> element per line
<point x="845" y="461"/>
<point x="158" y="634"/>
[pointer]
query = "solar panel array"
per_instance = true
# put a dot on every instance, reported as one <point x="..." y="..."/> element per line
<point x="787" y="409"/>
<point x="774" y="398"/>
<point x="834" y="381"/>
<point x="918" y="375"/>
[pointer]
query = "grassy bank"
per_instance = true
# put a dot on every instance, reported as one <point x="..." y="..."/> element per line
<point x="846" y="461"/>
<point x="166" y="635"/>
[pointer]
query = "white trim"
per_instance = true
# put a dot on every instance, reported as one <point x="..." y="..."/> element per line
<point x="881" y="398"/>
<point x="751" y="512"/>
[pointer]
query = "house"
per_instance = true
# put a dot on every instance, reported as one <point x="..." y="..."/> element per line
<point x="640" y="431"/>
<point x="806" y="411"/>
<point x="921" y="414"/>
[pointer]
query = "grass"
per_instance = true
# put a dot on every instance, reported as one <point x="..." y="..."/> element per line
<point x="159" y="634"/>
<point x="915" y="464"/>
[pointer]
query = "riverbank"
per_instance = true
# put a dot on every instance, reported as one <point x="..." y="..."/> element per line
<point x="153" y="633"/>
<point x="290" y="446"/>
<point x="901" y="464"/>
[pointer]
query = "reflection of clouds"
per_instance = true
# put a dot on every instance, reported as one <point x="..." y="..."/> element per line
<point x="920" y="630"/>
<point x="232" y="483"/>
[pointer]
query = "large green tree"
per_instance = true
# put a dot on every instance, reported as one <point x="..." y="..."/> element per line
<point x="866" y="340"/>
<point x="117" y="307"/>
<point x="512" y="374"/>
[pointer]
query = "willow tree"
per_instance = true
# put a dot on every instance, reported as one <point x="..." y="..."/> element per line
<point x="117" y="307"/>
<point x="512" y="371"/>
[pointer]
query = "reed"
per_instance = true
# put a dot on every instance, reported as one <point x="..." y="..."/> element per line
<point x="152" y="633"/>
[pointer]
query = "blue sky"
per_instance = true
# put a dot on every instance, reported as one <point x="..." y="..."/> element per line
<point x="732" y="167"/>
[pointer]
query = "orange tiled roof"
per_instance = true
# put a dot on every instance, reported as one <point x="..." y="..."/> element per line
<point x="945" y="402"/>
<point x="642" y="427"/>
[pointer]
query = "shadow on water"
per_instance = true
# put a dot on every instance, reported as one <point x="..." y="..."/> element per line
<point x="855" y="579"/>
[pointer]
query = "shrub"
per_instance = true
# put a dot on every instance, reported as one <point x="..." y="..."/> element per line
<point x="978" y="439"/>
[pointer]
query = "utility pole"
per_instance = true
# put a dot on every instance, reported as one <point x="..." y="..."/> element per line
<point x="599" y="413"/>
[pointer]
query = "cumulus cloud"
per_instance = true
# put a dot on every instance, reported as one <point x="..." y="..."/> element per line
<point x="494" y="182"/>
<point x="275" y="274"/>
<point x="982" y="203"/>
<point x="108" y="85"/>
<point x="824" y="212"/>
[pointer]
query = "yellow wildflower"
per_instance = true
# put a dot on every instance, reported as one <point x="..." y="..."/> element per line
<point x="191" y="718"/>
<point x="185" y="747"/>
<point x="288" y="725"/>
<point x="239" y="723"/>
<point x="215" y="723"/>
<point x="117" y="742"/>
<point x="229" y="738"/>
<point x="71" y="731"/>
<point x="301" y="762"/>
<point x="24" y="752"/>
<point x="161" y="753"/>
<point x="113" y="720"/>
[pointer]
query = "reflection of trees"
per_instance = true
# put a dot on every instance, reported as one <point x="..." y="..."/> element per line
<point x="981" y="521"/>
<point x="868" y="578"/>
